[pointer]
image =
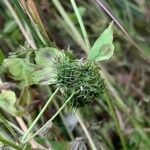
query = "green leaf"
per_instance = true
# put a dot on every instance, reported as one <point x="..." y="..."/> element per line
<point x="20" y="69"/>
<point x="45" y="73"/>
<point x="45" y="56"/>
<point x="103" y="47"/>
<point x="7" y="102"/>
<point x="44" y="76"/>
<point x="1" y="57"/>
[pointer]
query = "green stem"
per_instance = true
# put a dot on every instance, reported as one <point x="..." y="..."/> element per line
<point x="63" y="120"/>
<point x="60" y="114"/>
<point x="86" y="39"/>
<point x="113" y="114"/>
<point x="70" y="24"/>
<point x="4" y="121"/>
<point x="9" y="143"/>
<point x="50" y="120"/>
<point x="39" y="115"/>
<point x="91" y="142"/>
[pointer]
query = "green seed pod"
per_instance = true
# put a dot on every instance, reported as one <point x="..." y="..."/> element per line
<point x="82" y="77"/>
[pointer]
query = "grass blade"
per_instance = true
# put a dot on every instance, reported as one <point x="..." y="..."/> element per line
<point x="19" y="23"/>
<point x="9" y="143"/>
<point x="39" y="115"/>
<point x="24" y="16"/>
<point x="113" y="114"/>
<point x="69" y="23"/>
<point x="50" y="120"/>
<point x="86" y="39"/>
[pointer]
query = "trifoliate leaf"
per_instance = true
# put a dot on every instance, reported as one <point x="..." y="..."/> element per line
<point x="1" y="57"/>
<point x="103" y="47"/>
<point x="7" y="102"/>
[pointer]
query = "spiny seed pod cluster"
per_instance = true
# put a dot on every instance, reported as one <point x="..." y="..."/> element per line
<point x="81" y="77"/>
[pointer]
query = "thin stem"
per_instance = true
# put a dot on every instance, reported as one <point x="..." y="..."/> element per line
<point x="15" y="127"/>
<point x="60" y="114"/>
<point x="129" y="15"/>
<point x="50" y="120"/>
<point x="106" y="76"/>
<point x="91" y="142"/>
<point x="113" y="114"/>
<point x="4" y="121"/>
<point x="63" y="119"/>
<point x="39" y="115"/>
<point x="48" y="90"/>
<point x="69" y="23"/>
<point x="34" y="144"/>
<point x="9" y="143"/>
<point x="86" y="39"/>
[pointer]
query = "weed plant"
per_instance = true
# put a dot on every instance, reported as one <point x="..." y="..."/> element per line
<point x="40" y="69"/>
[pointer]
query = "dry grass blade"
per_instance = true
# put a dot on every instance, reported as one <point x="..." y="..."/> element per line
<point x="23" y="126"/>
<point x="32" y="10"/>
